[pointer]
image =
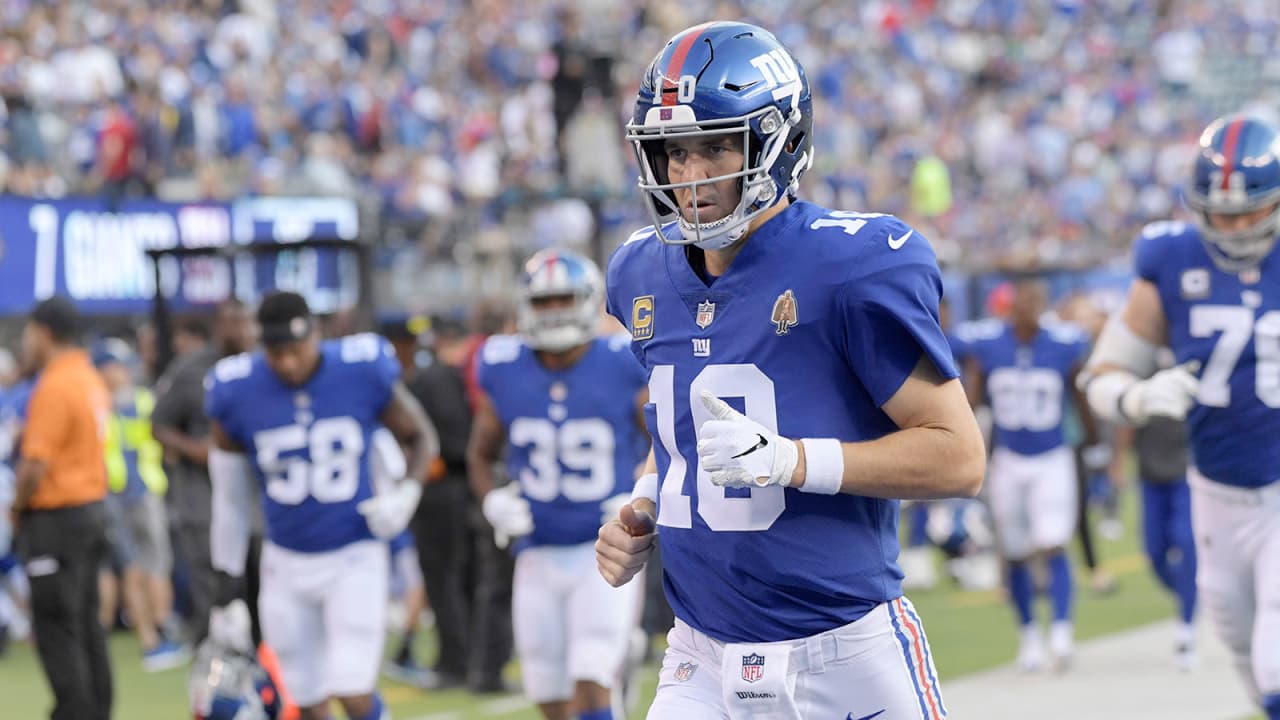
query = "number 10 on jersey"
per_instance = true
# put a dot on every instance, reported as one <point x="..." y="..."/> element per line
<point x="721" y="513"/>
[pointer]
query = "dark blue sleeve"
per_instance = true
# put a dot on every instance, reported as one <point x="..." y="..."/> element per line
<point x="891" y="310"/>
<point x="1147" y="253"/>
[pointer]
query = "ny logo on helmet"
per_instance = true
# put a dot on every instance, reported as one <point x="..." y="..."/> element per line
<point x="1232" y="191"/>
<point x="779" y="71"/>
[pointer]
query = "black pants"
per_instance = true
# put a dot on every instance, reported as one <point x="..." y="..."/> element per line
<point x="492" y="642"/>
<point x="62" y="551"/>
<point x="193" y="543"/>
<point x="445" y="549"/>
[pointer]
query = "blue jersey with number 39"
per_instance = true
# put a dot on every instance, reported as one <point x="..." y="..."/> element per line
<point x="573" y="435"/>
<point x="1028" y="384"/>
<point x="1230" y="323"/>
<point x="816" y="324"/>
<point x="309" y="444"/>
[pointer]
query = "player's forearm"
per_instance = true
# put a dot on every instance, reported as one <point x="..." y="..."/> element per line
<point x="424" y="447"/>
<point x="188" y="448"/>
<point x="480" y="472"/>
<point x="912" y="464"/>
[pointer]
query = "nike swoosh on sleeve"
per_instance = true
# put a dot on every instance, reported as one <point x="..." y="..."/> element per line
<point x="895" y="243"/>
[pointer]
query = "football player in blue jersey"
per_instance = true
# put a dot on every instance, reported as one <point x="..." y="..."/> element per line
<point x="565" y="405"/>
<point x="1025" y="370"/>
<point x="762" y="319"/>
<point x="296" y="420"/>
<point x="1208" y="290"/>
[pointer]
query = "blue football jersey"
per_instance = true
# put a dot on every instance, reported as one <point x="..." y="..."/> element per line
<point x="309" y="444"/>
<point x="1028" y="385"/>
<point x="573" y="436"/>
<point x="816" y="324"/>
<point x="1230" y="324"/>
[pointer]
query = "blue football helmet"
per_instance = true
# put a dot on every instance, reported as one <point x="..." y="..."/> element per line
<point x="559" y="273"/>
<point x="714" y="79"/>
<point x="1237" y="171"/>
<point x="227" y="685"/>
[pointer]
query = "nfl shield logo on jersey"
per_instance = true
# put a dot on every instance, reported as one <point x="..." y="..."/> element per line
<point x="752" y="667"/>
<point x="706" y="313"/>
<point x="684" y="671"/>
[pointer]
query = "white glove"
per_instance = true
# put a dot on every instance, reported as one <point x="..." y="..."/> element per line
<point x="740" y="452"/>
<point x="610" y="507"/>
<point x="1168" y="393"/>
<point x="508" y="513"/>
<point x="229" y="627"/>
<point x="388" y="513"/>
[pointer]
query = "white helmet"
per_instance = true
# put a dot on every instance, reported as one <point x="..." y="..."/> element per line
<point x="559" y="273"/>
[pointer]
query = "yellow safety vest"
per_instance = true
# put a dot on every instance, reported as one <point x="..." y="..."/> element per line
<point x="134" y="433"/>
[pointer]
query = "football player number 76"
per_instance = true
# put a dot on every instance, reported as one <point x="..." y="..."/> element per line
<point x="720" y="511"/>
<point x="1236" y="323"/>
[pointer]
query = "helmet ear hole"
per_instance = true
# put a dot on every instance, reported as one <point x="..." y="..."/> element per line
<point x="795" y="142"/>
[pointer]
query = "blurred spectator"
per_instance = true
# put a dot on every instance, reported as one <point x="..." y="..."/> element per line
<point x="1028" y="133"/>
<point x="180" y="425"/>
<point x="138" y="528"/>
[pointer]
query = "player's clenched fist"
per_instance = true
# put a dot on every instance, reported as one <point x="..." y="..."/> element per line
<point x="624" y="544"/>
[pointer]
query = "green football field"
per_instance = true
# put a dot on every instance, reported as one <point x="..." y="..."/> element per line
<point x="969" y="631"/>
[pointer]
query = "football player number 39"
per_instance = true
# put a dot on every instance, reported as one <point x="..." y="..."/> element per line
<point x="1236" y="323"/>
<point x="335" y="446"/>
<point x="584" y="447"/>
<point x="721" y="512"/>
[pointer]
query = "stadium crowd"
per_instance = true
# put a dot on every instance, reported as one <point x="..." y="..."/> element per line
<point x="1071" y="120"/>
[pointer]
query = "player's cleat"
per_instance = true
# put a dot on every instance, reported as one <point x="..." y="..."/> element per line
<point x="1061" y="644"/>
<point x="407" y="670"/>
<point x="1185" y="657"/>
<point x="1031" y="650"/>
<point x="164" y="656"/>
<point x="1184" y="651"/>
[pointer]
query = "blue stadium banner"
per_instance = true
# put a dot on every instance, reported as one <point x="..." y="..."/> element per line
<point x="77" y="247"/>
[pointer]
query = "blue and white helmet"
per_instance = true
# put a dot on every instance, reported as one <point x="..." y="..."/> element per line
<point x="1237" y="171"/>
<point x="717" y="78"/>
<point x="559" y="273"/>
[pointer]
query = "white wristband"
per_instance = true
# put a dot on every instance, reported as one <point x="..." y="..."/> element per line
<point x="646" y="487"/>
<point x="823" y="466"/>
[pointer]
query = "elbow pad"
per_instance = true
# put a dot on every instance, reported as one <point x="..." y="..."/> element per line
<point x="1118" y="346"/>
<point x="232" y="481"/>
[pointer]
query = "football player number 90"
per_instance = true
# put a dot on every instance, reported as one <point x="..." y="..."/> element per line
<point x="754" y="511"/>
<point x="335" y="446"/>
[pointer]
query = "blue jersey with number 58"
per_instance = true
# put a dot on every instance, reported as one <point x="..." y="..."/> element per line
<point x="816" y="324"/>
<point x="1028" y="384"/>
<point x="1230" y="324"/>
<point x="309" y="444"/>
<point x="574" y="439"/>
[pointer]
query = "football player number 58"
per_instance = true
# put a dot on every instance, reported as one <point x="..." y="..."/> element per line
<point x="733" y="510"/>
<point x="335" y="446"/>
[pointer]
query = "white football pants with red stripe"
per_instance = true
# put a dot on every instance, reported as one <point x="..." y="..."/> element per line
<point x="876" y="667"/>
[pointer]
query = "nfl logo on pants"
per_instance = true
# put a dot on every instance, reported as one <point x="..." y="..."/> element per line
<point x="752" y="667"/>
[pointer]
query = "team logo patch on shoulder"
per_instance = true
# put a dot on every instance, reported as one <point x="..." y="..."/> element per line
<point x="1194" y="284"/>
<point x="684" y="671"/>
<point x="706" y="314"/>
<point x="785" y="312"/>
<point x="752" y="667"/>
<point x="642" y="318"/>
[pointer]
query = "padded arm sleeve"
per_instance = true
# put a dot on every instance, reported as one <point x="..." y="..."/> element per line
<point x="232" y="480"/>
